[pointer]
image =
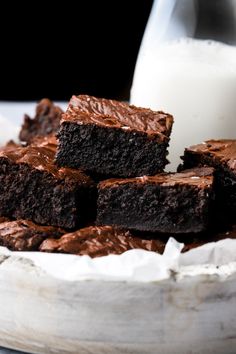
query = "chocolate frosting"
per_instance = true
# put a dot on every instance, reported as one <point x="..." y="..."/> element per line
<point x="202" y="177"/>
<point x="85" y="109"/>
<point x="42" y="158"/>
<point x="22" y="235"/>
<point x="220" y="151"/>
<point x="100" y="241"/>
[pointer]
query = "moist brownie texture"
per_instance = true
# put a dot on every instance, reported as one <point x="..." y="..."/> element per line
<point x="23" y="235"/>
<point x="220" y="154"/>
<point x="167" y="203"/>
<point x="100" y="241"/>
<point x="112" y="138"/>
<point x="33" y="188"/>
<point x="46" y="121"/>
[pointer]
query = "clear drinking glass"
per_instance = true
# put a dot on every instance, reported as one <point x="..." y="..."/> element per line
<point x="187" y="66"/>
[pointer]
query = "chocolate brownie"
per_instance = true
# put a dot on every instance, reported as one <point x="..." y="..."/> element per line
<point x="10" y="145"/>
<point x="48" y="141"/>
<point x="104" y="240"/>
<point x="112" y="138"/>
<point x="3" y="219"/>
<point x="100" y="241"/>
<point x="45" y="122"/>
<point x="202" y="239"/>
<point x="220" y="154"/>
<point x="32" y="187"/>
<point x="23" y="235"/>
<point x="167" y="203"/>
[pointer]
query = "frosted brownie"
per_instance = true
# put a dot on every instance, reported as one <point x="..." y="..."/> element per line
<point x="113" y="138"/>
<point x="167" y="203"/>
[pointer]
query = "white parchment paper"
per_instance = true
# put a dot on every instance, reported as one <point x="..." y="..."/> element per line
<point x="137" y="265"/>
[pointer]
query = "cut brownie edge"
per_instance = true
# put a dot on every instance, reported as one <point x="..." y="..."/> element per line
<point x="33" y="188"/>
<point x="123" y="154"/>
<point x="168" y="203"/>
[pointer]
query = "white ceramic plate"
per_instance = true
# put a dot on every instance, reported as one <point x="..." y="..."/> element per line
<point x="138" y="303"/>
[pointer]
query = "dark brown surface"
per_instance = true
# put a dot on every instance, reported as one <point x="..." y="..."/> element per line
<point x="49" y="141"/>
<point x="23" y="235"/>
<point x="166" y="203"/>
<point x="42" y="158"/>
<point x="105" y="240"/>
<point x="220" y="154"/>
<point x="215" y="152"/>
<point x="86" y="109"/>
<point x="33" y="187"/>
<point x="10" y="145"/>
<point x="100" y="241"/>
<point x="3" y="219"/>
<point x="111" y="138"/>
<point x="46" y="121"/>
<point x="208" y="237"/>
<point x="200" y="177"/>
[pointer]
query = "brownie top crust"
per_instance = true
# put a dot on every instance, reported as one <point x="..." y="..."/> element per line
<point x="25" y="235"/>
<point x="98" y="241"/>
<point x="85" y="109"/>
<point x="42" y="158"/>
<point x="49" y="141"/>
<point x="222" y="151"/>
<point x="202" y="177"/>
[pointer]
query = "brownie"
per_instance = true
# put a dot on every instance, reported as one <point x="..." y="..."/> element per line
<point x="32" y="187"/>
<point x="202" y="239"/>
<point x="46" y="121"/>
<point x="100" y="241"/>
<point x="10" y="145"/>
<point x="23" y="235"/>
<point x="167" y="203"/>
<point x="220" y="154"/>
<point x="104" y="240"/>
<point x="113" y="138"/>
<point x="3" y="219"/>
<point x="49" y="141"/>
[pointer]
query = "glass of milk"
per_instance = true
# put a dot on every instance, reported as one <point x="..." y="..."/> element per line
<point x="187" y="67"/>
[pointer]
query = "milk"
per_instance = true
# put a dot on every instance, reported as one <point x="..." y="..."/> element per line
<point x="195" y="80"/>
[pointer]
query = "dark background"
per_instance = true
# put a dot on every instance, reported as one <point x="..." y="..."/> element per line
<point x="70" y="48"/>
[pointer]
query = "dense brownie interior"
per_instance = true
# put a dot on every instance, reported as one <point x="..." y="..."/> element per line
<point x="178" y="203"/>
<point x="34" y="188"/>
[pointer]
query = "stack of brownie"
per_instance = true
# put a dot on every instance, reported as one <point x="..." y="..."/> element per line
<point x="101" y="187"/>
